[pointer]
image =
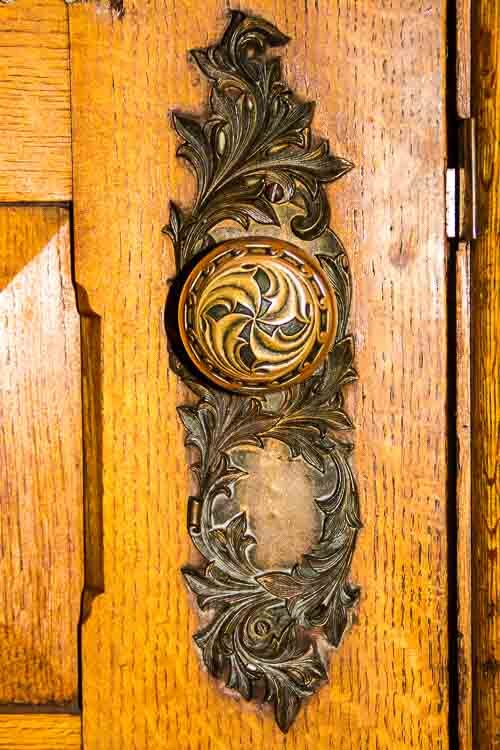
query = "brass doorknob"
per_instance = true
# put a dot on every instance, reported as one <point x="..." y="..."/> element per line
<point x="257" y="314"/>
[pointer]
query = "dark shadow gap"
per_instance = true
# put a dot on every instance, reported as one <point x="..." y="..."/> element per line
<point x="92" y="458"/>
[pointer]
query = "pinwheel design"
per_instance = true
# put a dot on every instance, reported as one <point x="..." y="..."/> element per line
<point x="257" y="319"/>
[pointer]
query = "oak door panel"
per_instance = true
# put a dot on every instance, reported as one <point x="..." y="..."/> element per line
<point x="377" y="72"/>
<point x="40" y="732"/>
<point x="41" y="538"/>
<point x="35" y="108"/>
<point x="485" y="284"/>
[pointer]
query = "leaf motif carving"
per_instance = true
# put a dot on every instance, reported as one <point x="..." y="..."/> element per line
<point x="257" y="135"/>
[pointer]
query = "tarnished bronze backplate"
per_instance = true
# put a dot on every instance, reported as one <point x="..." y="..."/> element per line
<point x="257" y="165"/>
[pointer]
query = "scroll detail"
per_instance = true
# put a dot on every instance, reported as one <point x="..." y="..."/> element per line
<point x="254" y="157"/>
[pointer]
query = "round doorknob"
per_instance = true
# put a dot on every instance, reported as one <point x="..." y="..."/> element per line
<point x="257" y="314"/>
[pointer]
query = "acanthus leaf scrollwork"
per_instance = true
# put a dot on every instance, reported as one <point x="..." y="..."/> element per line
<point x="254" y="153"/>
<point x="255" y="148"/>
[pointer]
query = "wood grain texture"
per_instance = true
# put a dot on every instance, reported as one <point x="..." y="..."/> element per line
<point x="463" y="57"/>
<point x="486" y="378"/>
<point x="463" y="495"/>
<point x="40" y="459"/>
<point x="40" y="732"/>
<point x="463" y="414"/>
<point x="35" y="122"/>
<point x="376" y="69"/>
<point x="117" y="7"/>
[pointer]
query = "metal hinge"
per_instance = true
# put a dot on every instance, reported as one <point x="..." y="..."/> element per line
<point x="461" y="186"/>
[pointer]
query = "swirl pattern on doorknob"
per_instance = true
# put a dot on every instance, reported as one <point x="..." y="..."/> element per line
<point x="257" y="315"/>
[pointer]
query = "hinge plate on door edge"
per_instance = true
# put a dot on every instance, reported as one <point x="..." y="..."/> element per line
<point x="461" y="186"/>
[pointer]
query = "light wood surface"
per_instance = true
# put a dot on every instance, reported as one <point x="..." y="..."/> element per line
<point x="377" y="73"/>
<point x="40" y="459"/>
<point x="40" y="732"/>
<point x="35" y="118"/>
<point x="485" y="273"/>
<point x="463" y="57"/>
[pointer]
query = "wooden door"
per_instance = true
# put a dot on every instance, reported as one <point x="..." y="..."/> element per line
<point x="97" y="619"/>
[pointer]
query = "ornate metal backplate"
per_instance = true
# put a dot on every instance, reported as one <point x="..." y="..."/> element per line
<point x="259" y="314"/>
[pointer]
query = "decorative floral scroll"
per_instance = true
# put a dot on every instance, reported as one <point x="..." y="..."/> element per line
<point x="253" y="156"/>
